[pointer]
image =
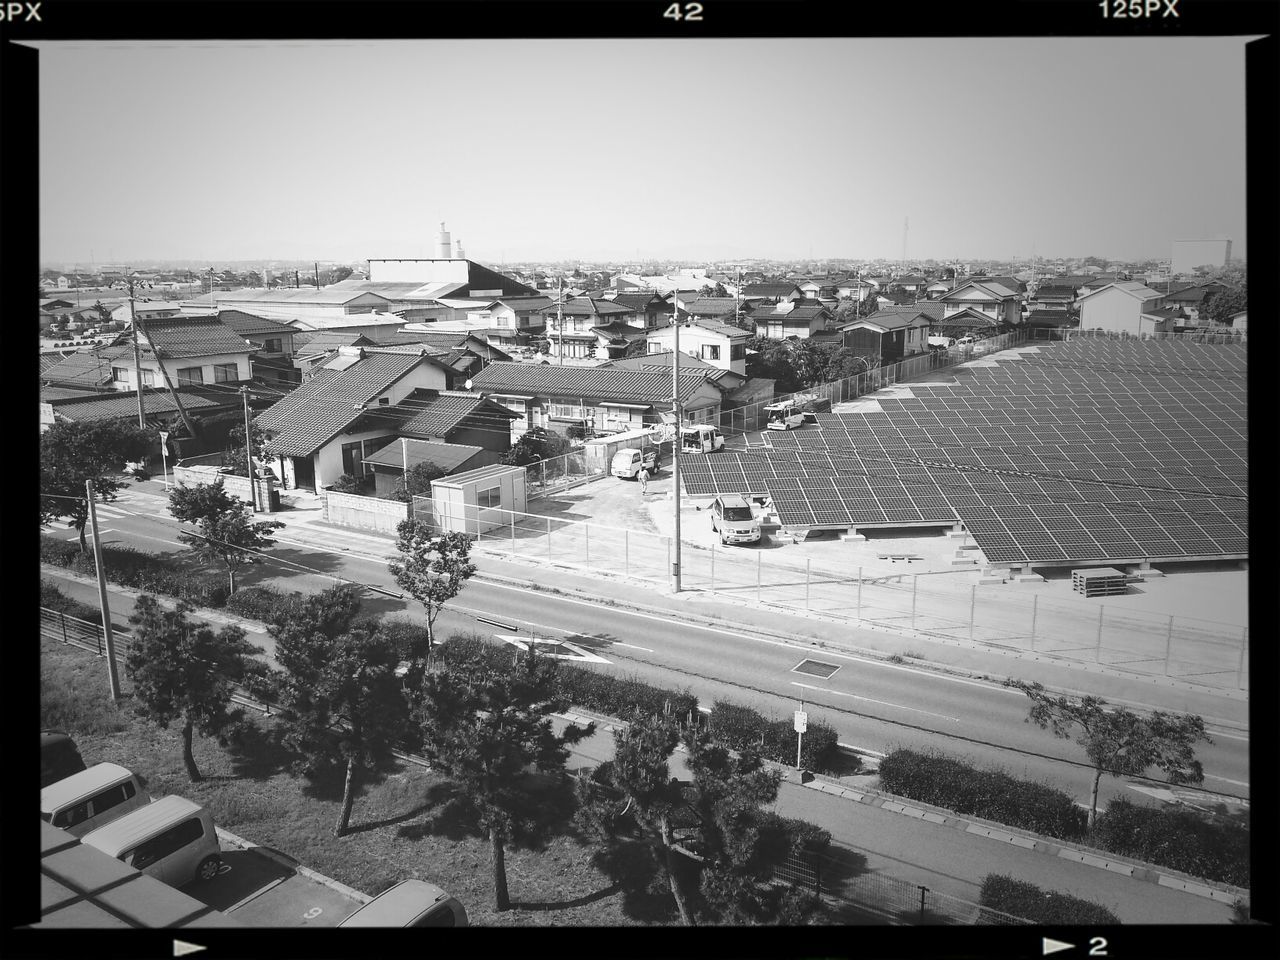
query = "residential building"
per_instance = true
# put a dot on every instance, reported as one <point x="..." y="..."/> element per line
<point x="1240" y="321"/>
<point x="790" y="318"/>
<point x="328" y="425"/>
<point x="602" y="398"/>
<point x="991" y="298"/>
<point x="1123" y="306"/>
<point x="886" y="337"/>
<point x="145" y="310"/>
<point x="272" y="359"/>
<point x="654" y="309"/>
<point x="854" y="288"/>
<point x="911" y="283"/>
<point x="716" y="308"/>
<point x="718" y="344"/>
<point x="570" y="327"/>
<point x="773" y="292"/>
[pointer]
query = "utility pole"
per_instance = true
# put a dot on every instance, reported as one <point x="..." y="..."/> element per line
<point x="211" y="307"/>
<point x="675" y="454"/>
<point x="248" y="451"/>
<point x="137" y="357"/>
<point x="113" y="677"/>
<point x="317" y="268"/>
<point x="182" y="411"/>
<point x="560" y="314"/>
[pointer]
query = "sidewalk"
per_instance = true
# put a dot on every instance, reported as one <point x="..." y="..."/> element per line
<point x="951" y="854"/>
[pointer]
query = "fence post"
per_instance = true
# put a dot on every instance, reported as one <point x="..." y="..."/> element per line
<point x="1035" y="600"/>
<point x="548" y="538"/>
<point x="1244" y="647"/>
<point x="1097" y="656"/>
<point x="923" y="891"/>
<point x="1168" y="646"/>
<point x="859" y="593"/>
<point x="915" y="582"/>
<point x="63" y="617"/>
<point x="807" y="564"/>
<point x="973" y="602"/>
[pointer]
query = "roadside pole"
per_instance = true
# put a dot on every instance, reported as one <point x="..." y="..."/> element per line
<point x="801" y="724"/>
<point x="248" y="451"/>
<point x="113" y="676"/>
<point x="164" y="456"/>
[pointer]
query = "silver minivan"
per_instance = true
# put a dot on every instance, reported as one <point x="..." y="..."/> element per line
<point x="91" y="798"/>
<point x="171" y="839"/>
<point x="410" y="903"/>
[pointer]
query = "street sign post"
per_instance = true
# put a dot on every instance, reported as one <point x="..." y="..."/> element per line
<point x="801" y="724"/>
<point x="164" y="456"/>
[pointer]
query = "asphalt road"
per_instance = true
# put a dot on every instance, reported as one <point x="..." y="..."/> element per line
<point x="873" y="705"/>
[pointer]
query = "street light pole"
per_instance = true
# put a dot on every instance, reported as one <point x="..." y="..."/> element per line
<point x="113" y="675"/>
<point x="675" y="456"/>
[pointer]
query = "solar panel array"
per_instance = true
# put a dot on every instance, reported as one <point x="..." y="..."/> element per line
<point x="1089" y="450"/>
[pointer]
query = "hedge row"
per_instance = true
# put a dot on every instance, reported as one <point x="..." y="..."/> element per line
<point x="1178" y="839"/>
<point x="142" y="571"/>
<point x="742" y="728"/>
<point x="256" y="603"/>
<point x="1030" y="902"/>
<point x="990" y="794"/>
<point x="624" y="697"/>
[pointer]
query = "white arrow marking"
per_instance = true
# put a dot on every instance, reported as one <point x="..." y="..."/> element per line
<point x="577" y="653"/>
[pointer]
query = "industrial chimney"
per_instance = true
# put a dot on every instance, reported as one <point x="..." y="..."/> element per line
<point x="457" y="251"/>
<point x="443" y="239"/>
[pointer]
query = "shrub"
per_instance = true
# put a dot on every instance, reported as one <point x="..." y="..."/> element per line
<point x="741" y="728"/>
<point x="255" y="603"/>
<point x="58" y="552"/>
<point x="1179" y="839"/>
<point x="624" y="697"/>
<point x="990" y="794"/>
<point x="1030" y="902"/>
<point x="154" y="573"/>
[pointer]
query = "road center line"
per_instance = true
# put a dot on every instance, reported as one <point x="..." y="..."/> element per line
<point x="883" y="703"/>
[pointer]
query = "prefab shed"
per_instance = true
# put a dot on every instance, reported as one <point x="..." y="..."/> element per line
<point x="479" y="499"/>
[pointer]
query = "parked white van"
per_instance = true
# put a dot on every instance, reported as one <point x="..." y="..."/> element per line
<point x="700" y="438"/>
<point x="410" y="903"/>
<point x="627" y="462"/>
<point x="172" y="839"/>
<point x="91" y="798"/>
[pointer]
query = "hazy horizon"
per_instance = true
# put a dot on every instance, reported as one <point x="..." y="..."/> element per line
<point x="624" y="150"/>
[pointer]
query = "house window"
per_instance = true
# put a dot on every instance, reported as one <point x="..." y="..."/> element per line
<point x="148" y="378"/>
<point x="738" y="351"/>
<point x="489" y="497"/>
<point x="190" y="375"/>
<point x="120" y="374"/>
<point x="710" y="351"/>
<point x="565" y="411"/>
<point x="225" y="372"/>
<point x="274" y="345"/>
<point x="503" y="321"/>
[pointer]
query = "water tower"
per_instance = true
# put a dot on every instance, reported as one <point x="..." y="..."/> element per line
<point x="442" y="238"/>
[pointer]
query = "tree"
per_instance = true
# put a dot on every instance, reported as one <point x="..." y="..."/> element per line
<point x="102" y="310"/>
<point x="348" y="484"/>
<point x="1221" y="306"/>
<point x="335" y="275"/>
<point x="234" y="456"/>
<point x="73" y="453"/>
<point x="184" y="673"/>
<point x="742" y="843"/>
<point x="226" y="529"/>
<point x="484" y="727"/>
<point x="536" y="443"/>
<point x="431" y="569"/>
<point x="1119" y="742"/>
<point x="634" y="796"/>
<point x="341" y="701"/>
<point x="417" y="482"/>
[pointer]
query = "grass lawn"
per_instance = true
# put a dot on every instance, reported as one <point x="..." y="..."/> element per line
<point x="400" y="827"/>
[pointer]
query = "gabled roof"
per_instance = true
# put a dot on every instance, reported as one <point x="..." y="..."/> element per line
<point x="85" y="368"/>
<point x="179" y="337"/>
<point x="522" y="304"/>
<point x="441" y="413"/>
<point x="886" y="320"/>
<point x="322" y="407"/>
<point x="311" y="343"/>
<point x="712" y="326"/>
<point x="588" y="307"/>
<point x="596" y="383"/>
<point x="447" y="456"/>
<point x="1189" y="295"/>
<point x="334" y="294"/>
<point x="933" y="309"/>
<point x="1133" y="288"/>
<point x="768" y="289"/>
<point x="247" y="325"/>
<point x="995" y="291"/>
<point x="123" y="405"/>
<point x="638" y="301"/>
<point x="715" y="306"/>
<point x="620" y="330"/>
<point x="806" y="312"/>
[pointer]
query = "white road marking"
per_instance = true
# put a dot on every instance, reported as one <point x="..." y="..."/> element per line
<point x="577" y="652"/>
<point x="100" y="533"/>
<point x="146" y="536"/>
<point x="883" y="703"/>
<point x="619" y="643"/>
<point x="1234" y="783"/>
<point x="866" y="751"/>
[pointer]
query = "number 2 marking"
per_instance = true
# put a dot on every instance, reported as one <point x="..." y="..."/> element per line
<point x="1098" y="946"/>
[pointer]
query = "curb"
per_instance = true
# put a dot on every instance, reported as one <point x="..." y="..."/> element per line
<point x="288" y="863"/>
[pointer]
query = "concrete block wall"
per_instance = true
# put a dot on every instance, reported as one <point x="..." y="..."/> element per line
<point x="236" y="486"/>
<point x="364" y="513"/>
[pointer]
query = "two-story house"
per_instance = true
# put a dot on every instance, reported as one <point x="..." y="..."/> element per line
<point x="1124" y="306"/>
<point x="570" y="327"/>
<point x="601" y="398"/>
<point x="272" y="359"/>
<point x="331" y="422"/>
<point x="721" y="345"/>
<point x="772" y="292"/>
<point x="648" y="306"/>
<point x="987" y="297"/>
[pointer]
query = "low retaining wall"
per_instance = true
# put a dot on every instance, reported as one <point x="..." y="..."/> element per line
<point x="263" y="488"/>
<point x="364" y="513"/>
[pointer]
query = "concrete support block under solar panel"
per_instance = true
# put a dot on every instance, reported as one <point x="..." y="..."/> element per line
<point x="854" y="536"/>
<point x="989" y="577"/>
<point x="1146" y="571"/>
<point x="1028" y="578"/>
<point x="964" y="562"/>
<point x="957" y="534"/>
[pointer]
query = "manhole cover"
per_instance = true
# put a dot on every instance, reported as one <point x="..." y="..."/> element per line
<point x="816" y="668"/>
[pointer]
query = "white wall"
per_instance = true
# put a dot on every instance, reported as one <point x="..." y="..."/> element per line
<point x="1112" y="310"/>
<point x="418" y="271"/>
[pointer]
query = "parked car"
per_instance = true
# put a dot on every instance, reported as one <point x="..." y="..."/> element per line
<point x="91" y="798"/>
<point x="627" y="463"/>
<point x="59" y="757"/>
<point x="410" y="903"/>
<point x="733" y="518"/>
<point x="172" y="839"/>
<point x="700" y="439"/>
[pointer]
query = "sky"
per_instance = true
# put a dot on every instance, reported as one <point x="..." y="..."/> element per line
<point x="631" y="149"/>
